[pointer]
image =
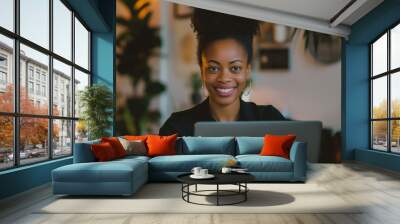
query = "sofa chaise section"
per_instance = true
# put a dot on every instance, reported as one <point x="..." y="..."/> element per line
<point x="87" y="177"/>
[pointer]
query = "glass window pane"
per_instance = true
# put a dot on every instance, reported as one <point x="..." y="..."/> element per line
<point x="62" y="29"/>
<point x="7" y="14"/>
<point x="379" y="97"/>
<point x="33" y="140"/>
<point x="395" y="47"/>
<point x="379" y="56"/>
<point x="81" y="131"/>
<point x="81" y="81"/>
<point x="81" y="45"/>
<point x="34" y="79"/>
<point x="395" y="94"/>
<point x="379" y="135"/>
<point x="35" y="21"/>
<point x="62" y="89"/>
<point x="6" y="74"/>
<point x="62" y="138"/>
<point x="395" y="136"/>
<point x="6" y="142"/>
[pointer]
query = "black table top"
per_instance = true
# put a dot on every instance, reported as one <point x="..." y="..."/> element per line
<point x="220" y="178"/>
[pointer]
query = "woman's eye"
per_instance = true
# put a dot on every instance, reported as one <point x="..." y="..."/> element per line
<point x="213" y="69"/>
<point x="236" y="69"/>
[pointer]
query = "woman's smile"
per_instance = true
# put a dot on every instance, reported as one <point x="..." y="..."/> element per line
<point x="225" y="91"/>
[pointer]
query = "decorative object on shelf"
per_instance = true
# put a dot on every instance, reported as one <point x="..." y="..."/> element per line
<point x="273" y="46"/>
<point x="276" y="34"/>
<point x="274" y="58"/>
<point x="96" y="102"/>
<point x="325" y="48"/>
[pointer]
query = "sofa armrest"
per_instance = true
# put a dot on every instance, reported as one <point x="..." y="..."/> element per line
<point x="83" y="152"/>
<point x="298" y="155"/>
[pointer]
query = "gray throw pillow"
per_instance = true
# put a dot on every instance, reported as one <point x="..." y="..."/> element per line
<point x="135" y="147"/>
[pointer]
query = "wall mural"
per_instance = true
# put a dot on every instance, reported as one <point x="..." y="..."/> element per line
<point x="170" y="60"/>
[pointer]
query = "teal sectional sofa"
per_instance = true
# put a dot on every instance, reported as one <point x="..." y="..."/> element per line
<point x="125" y="176"/>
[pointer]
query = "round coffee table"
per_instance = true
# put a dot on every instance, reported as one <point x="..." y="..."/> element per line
<point x="238" y="179"/>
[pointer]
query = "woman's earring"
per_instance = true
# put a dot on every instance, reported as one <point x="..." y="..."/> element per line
<point x="204" y="90"/>
<point x="247" y="91"/>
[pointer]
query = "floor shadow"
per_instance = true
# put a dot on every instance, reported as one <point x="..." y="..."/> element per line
<point x="255" y="198"/>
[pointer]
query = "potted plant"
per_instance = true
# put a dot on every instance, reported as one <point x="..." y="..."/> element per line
<point x="96" y="103"/>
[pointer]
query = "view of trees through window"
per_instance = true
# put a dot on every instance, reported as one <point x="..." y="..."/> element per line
<point x="385" y="91"/>
<point x="39" y="112"/>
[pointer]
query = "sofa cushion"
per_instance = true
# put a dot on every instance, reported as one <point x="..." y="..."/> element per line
<point x="185" y="163"/>
<point x="249" y="145"/>
<point x="103" y="152"/>
<point x="257" y="163"/>
<point x="208" y="145"/>
<point x="277" y="145"/>
<point x="134" y="147"/>
<point x="161" y="145"/>
<point x="116" y="145"/>
<point x="111" y="171"/>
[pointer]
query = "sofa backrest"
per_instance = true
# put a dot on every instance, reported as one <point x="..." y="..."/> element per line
<point x="206" y="145"/>
<point x="249" y="145"/>
<point x="305" y="131"/>
<point x="83" y="152"/>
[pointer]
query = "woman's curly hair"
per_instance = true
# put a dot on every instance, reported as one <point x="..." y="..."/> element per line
<point x="210" y="26"/>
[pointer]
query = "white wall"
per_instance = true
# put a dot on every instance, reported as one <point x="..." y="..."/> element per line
<point x="307" y="91"/>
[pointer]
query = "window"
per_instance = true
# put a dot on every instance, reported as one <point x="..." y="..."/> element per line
<point x="46" y="74"/>
<point x="30" y="87"/>
<point x="38" y="89"/>
<point x="6" y="89"/>
<point x="3" y="72"/>
<point x="3" y="61"/>
<point x="3" y="78"/>
<point x="7" y="14"/>
<point x="30" y="72"/>
<point x="385" y="91"/>
<point x="44" y="91"/>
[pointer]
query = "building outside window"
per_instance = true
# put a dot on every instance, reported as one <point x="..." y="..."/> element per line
<point x="30" y="87"/>
<point x="57" y="123"/>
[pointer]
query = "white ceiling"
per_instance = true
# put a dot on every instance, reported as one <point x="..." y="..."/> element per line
<point x="319" y="9"/>
<point x="315" y="15"/>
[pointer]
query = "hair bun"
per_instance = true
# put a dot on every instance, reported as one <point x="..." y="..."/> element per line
<point x="208" y="22"/>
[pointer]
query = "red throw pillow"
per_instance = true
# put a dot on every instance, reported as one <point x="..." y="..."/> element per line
<point x="161" y="145"/>
<point x="277" y="145"/>
<point x="103" y="151"/>
<point x="135" y="137"/>
<point x="116" y="145"/>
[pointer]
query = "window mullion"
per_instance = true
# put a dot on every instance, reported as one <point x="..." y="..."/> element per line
<point x="389" y="101"/>
<point x="16" y="84"/>
<point x="73" y="83"/>
<point x="50" y="81"/>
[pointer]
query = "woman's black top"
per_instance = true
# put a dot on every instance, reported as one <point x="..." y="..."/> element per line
<point x="182" y="122"/>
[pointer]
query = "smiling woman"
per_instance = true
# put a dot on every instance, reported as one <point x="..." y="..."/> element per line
<point x="224" y="55"/>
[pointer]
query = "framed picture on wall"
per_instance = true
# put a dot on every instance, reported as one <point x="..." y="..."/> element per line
<point x="274" y="58"/>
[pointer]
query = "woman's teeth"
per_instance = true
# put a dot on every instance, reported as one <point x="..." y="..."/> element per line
<point x="225" y="91"/>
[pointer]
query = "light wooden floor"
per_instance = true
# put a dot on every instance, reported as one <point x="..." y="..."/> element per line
<point x="353" y="182"/>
